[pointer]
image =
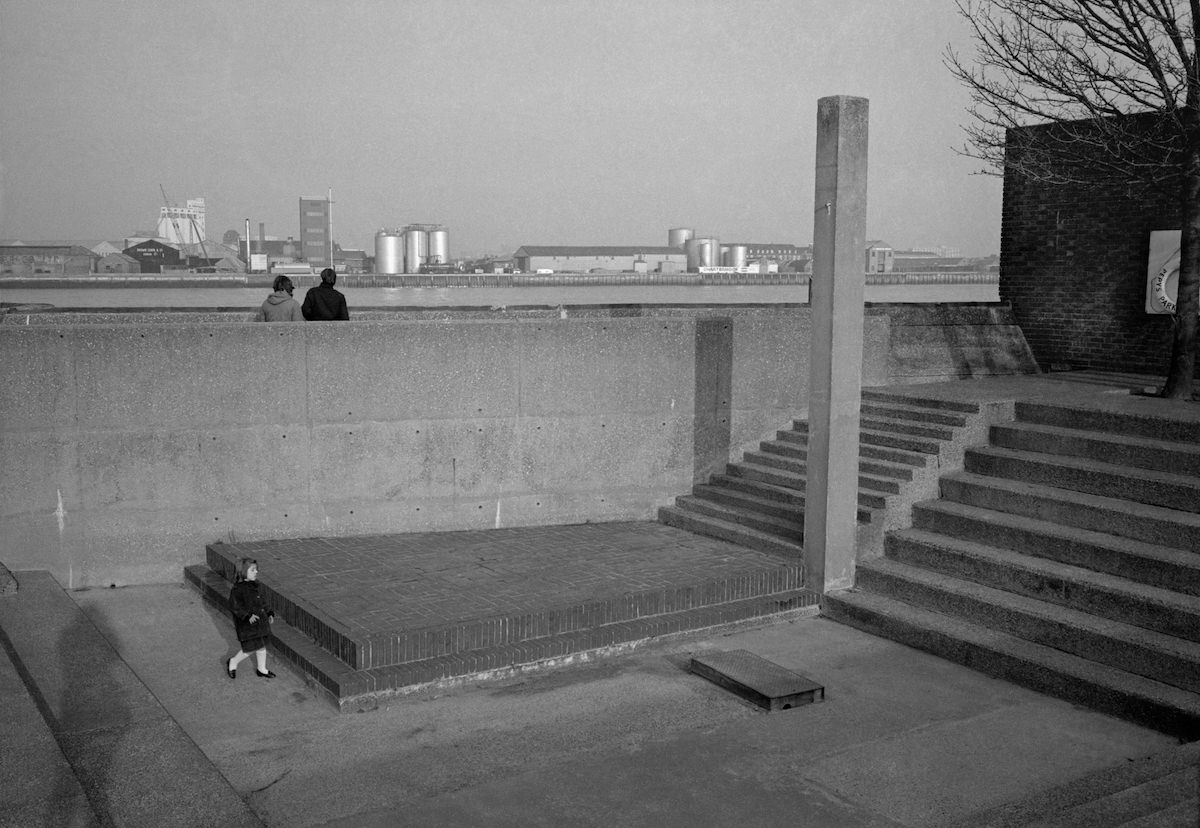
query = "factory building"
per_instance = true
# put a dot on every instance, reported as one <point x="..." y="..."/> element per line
<point x="49" y="260"/>
<point x="316" y="232"/>
<point x="532" y="258"/>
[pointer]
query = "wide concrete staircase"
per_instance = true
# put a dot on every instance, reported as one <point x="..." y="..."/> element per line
<point x="1065" y="556"/>
<point x="904" y="443"/>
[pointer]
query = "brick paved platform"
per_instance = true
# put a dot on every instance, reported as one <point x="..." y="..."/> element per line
<point x="367" y="616"/>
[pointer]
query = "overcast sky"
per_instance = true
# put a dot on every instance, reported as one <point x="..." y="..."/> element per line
<point x="509" y="121"/>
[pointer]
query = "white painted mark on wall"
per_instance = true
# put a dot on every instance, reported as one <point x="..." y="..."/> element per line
<point x="672" y="403"/>
<point x="497" y="514"/>
<point x="60" y="513"/>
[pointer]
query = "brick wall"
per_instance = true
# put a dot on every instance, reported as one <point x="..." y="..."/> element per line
<point x="1073" y="267"/>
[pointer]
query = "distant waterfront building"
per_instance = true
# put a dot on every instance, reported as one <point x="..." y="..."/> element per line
<point x="880" y="257"/>
<point x="154" y="256"/>
<point x="788" y="257"/>
<point x="581" y="259"/>
<point x="46" y="260"/>
<point x="182" y="225"/>
<point x="315" y="229"/>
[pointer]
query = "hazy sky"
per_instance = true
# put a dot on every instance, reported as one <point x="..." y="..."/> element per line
<point x="509" y="121"/>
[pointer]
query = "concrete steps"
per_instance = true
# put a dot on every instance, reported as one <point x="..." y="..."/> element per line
<point x="356" y="666"/>
<point x="904" y="441"/>
<point x="1065" y="556"/>
<point x="1158" y="791"/>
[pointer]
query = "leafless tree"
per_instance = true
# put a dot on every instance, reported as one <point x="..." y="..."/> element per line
<point x="1086" y="67"/>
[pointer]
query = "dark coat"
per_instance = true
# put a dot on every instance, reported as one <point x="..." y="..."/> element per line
<point x="324" y="303"/>
<point x="244" y="601"/>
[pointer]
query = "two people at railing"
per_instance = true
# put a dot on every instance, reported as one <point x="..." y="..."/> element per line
<point x="322" y="303"/>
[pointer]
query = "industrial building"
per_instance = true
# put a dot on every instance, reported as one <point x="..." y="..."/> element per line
<point x="49" y="260"/>
<point x="316" y="231"/>
<point x="532" y="258"/>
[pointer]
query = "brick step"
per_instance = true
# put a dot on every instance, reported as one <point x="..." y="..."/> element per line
<point x="1146" y="563"/>
<point x="865" y="481"/>
<point x="1157" y="656"/>
<point x="1135" y="452"/>
<point x="790" y="480"/>
<point x="898" y="427"/>
<point x="1171" y="491"/>
<point x="877" y="395"/>
<point x="784" y="544"/>
<point x="916" y="459"/>
<point x="763" y="497"/>
<point x="1115" y="516"/>
<point x="1045" y="669"/>
<point x="361" y="649"/>
<point x="791" y="528"/>
<point x="353" y="688"/>
<point x="797" y="451"/>
<point x="904" y="411"/>
<point x="1106" y="596"/>
<point x="1167" y="427"/>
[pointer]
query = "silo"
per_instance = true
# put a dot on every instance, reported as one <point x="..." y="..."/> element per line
<point x="389" y="252"/>
<point x="734" y="256"/>
<point x="416" y="246"/>
<point x="692" y="248"/>
<point x="708" y="252"/>
<point x="439" y="246"/>
<point x="678" y="236"/>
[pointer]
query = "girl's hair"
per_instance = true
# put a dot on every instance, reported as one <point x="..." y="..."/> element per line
<point x="243" y="567"/>
<point x="283" y="283"/>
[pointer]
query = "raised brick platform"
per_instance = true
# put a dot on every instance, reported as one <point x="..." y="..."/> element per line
<point x="368" y="616"/>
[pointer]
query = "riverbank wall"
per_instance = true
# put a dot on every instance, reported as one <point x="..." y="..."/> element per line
<point x="129" y="445"/>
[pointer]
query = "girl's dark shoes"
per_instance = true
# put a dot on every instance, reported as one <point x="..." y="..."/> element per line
<point x="266" y="675"/>
<point x="231" y="671"/>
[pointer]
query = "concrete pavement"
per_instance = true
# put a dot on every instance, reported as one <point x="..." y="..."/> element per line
<point x="903" y="738"/>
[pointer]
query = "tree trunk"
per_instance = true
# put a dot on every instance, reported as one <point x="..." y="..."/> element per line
<point x="1181" y="374"/>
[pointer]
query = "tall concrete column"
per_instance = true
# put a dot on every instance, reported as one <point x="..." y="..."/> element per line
<point x="836" y="297"/>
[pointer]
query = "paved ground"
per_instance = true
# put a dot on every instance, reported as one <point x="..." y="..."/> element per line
<point x="903" y="738"/>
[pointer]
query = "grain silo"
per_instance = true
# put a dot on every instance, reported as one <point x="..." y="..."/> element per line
<point x="439" y="246"/>
<point x="416" y="247"/>
<point x="692" y="248"/>
<point x="734" y="256"/>
<point x="389" y="252"/>
<point x="678" y="236"/>
<point x="708" y="252"/>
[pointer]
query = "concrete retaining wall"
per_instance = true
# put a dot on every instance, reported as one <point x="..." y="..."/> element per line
<point x="125" y="448"/>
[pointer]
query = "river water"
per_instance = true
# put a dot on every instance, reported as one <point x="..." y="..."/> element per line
<point x="430" y="297"/>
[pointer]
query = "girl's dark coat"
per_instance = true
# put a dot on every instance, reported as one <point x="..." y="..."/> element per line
<point x="244" y="601"/>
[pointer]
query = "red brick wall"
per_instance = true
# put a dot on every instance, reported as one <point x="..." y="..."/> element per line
<point x="1073" y="267"/>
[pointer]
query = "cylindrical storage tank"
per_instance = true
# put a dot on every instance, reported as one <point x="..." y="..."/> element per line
<point x="416" y="246"/>
<point x="735" y="255"/>
<point x="439" y="246"/>
<point x="678" y="236"/>
<point x="389" y="252"/>
<point x="708" y="253"/>
<point x="692" y="248"/>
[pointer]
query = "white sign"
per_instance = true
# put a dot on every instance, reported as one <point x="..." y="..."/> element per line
<point x="1162" y="271"/>
<point x="258" y="262"/>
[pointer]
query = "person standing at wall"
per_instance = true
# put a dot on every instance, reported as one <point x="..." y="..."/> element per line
<point x="280" y="306"/>
<point x="251" y="619"/>
<point x="323" y="303"/>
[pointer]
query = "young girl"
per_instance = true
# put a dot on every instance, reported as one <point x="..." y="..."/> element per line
<point x="251" y="619"/>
